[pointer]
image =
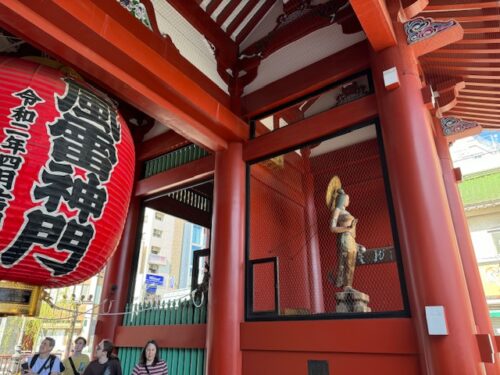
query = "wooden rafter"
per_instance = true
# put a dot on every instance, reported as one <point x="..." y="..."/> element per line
<point x="253" y="21"/>
<point x="479" y="90"/>
<point x="475" y="15"/>
<point x="475" y="117"/>
<point x="226" y="12"/>
<point x="467" y="49"/>
<point x="463" y="102"/>
<point x="241" y="16"/>
<point x="463" y="107"/>
<point x="445" y="5"/>
<point x="226" y="49"/>
<point x="212" y="6"/>
<point x="376" y="22"/>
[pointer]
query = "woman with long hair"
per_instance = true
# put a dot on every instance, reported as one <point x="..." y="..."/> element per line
<point x="150" y="362"/>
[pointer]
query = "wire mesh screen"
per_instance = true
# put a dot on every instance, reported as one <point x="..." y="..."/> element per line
<point x="322" y="212"/>
<point x="264" y="279"/>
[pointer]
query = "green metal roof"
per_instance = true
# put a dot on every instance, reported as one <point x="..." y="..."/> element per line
<point x="481" y="188"/>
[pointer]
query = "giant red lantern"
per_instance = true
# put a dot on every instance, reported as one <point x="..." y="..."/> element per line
<point x="66" y="174"/>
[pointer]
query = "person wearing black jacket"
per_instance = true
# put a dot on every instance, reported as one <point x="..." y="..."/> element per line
<point x="106" y="363"/>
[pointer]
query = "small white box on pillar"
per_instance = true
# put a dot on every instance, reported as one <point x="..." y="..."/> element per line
<point x="436" y="320"/>
<point x="391" y="78"/>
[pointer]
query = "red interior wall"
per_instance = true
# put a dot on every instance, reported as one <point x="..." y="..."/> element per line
<point x="360" y="171"/>
<point x="277" y="229"/>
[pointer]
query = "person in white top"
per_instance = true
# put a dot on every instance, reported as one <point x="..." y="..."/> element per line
<point x="43" y="363"/>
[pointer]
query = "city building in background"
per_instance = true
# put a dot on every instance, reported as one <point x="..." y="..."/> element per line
<point x="479" y="161"/>
<point x="65" y="314"/>
<point x="165" y="263"/>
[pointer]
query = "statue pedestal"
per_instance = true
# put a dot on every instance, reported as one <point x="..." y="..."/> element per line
<point x="352" y="301"/>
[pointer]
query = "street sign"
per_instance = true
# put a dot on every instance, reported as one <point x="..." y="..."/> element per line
<point x="154" y="279"/>
<point x="151" y="289"/>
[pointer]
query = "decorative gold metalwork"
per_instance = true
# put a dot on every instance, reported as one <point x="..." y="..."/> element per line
<point x="19" y="299"/>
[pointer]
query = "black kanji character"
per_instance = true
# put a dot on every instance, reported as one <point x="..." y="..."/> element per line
<point x="57" y="182"/>
<point x="10" y="161"/>
<point x="5" y="195"/>
<point x="75" y="239"/>
<point x="19" y="125"/>
<point x="88" y="198"/>
<point x="23" y="114"/>
<point x="89" y="106"/>
<point x="29" y="97"/>
<point x="79" y="143"/>
<point x="7" y="177"/>
<point x="15" y="141"/>
<point x="39" y="228"/>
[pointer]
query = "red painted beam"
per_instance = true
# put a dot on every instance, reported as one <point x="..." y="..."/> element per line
<point x="441" y="39"/>
<point x="162" y="45"/>
<point x="197" y="170"/>
<point x="479" y="40"/>
<point x="160" y="145"/>
<point x="474" y="15"/>
<point x="297" y="28"/>
<point x="457" y="59"/>
<point x="306" y="80"/>
<point x="172" y="336"/>
<point x="341" y="336"/>
<point x="376" y="22"/>
<point x="482" y="115"/>
<point x="466" y="48"/>
<point x="487" y="119"/>
<point x="446" y="5"/>
<point x="312" y="128"/>
<point x="227" y="49"/>
<point x="477" y="103"/>
<point x="126" y="65"/>
<point x="462" y="108"/>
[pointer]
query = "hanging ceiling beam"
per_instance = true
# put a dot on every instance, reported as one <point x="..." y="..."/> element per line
<point x="226" y="48"/>
<point x="125" y="65"/>
<point x="376" y="22"/>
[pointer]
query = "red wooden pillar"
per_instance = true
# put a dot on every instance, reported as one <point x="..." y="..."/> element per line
<point x="116" y="286"/>
<point x="311" y="231"/>
<point x="469" y="262"/>
<point x="225" y="306"/>
<point x="433" y="268"/>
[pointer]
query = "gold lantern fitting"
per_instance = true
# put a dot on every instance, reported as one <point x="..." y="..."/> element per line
<point x="19" y="299"/>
